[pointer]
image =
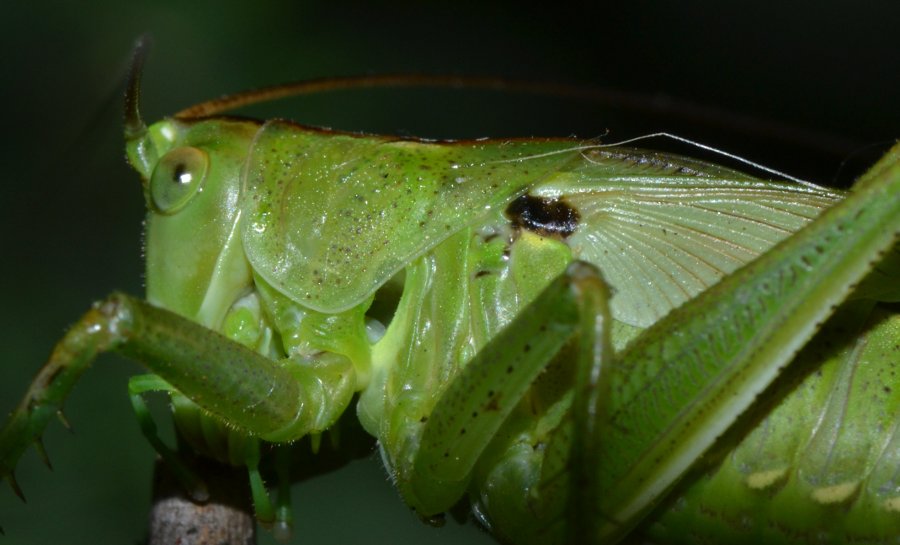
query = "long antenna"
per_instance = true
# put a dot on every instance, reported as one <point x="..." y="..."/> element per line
<point x="653" y="105"/>
<point x="314" y="86"/>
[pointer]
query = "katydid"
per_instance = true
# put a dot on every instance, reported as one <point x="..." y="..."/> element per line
<point x="581" y="341"/>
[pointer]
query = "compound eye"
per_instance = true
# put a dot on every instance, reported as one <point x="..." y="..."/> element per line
<point x="176" y="178"/>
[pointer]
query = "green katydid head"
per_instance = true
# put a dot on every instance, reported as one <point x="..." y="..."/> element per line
<point x="191" y="173"/>
<point x="195" y="259"/>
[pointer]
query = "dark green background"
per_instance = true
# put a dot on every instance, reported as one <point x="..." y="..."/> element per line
<point x="72" y="211"/>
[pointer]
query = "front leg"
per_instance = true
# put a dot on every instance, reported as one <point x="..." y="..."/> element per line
<point x="225" y="378"/>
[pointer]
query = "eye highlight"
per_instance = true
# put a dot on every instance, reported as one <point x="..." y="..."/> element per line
<point x="177" y="177"/>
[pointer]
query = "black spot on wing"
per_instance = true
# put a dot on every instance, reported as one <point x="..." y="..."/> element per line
<point x="546" y="217"/>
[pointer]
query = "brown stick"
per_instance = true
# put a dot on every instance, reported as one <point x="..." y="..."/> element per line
<point x="226" y="519"/>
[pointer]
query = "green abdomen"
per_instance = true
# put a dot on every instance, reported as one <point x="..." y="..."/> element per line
<point x="824" y="467"/>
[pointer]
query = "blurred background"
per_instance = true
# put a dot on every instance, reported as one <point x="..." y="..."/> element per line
<point x="809" y="87"/>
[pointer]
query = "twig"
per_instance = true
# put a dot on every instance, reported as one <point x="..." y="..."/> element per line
<point x="226" y="519"/>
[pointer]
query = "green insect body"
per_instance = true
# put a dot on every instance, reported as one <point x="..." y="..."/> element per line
<point x="540" y="327"/>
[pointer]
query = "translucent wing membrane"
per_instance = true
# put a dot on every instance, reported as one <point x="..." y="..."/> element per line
<point x="662" y="230"/>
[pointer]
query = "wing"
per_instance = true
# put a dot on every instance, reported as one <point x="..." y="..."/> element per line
<point x="329" y="217"/>
<point x="663" y="228"/>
